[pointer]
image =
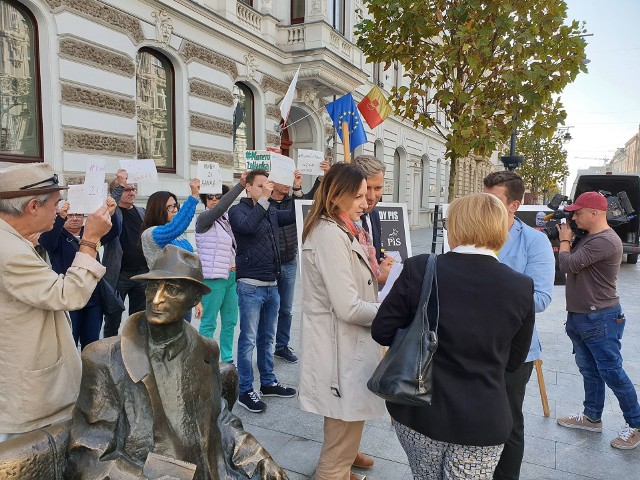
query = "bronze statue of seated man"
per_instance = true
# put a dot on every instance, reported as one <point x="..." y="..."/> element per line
<point x="150" y="401"/>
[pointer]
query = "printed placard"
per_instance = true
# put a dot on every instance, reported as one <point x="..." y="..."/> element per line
<point x="210" y="177"/>
<point x="96" y="171"/>
<point x="255" y="159"/>
<point x="140" y="171"/>
<point x="86" y="199"/>
<point x="309" y="162"/>
<point x="282" y="169"/>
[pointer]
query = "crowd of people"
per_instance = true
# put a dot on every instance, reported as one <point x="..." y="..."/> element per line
<point x="498" y="274"/>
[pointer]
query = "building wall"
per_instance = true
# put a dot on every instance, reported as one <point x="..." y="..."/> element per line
<point x="90" y="107"/>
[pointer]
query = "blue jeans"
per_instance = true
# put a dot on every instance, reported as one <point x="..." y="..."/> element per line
<point x="596" y="343"/>
<point x="86" y="324"/>
<point x="137" y="301"/>
<point x="258" y="317"/>
<point x="286" y="287"/>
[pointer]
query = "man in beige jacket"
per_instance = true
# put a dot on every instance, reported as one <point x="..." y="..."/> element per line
<point x="39" y="363"/>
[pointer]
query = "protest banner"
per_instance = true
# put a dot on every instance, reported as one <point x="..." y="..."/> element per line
<point x="96" y="171"/>
<point x="255" y="159"/>
<point x="86" y="199"/>
<point x="210" y="177"/>
<point x="140" y="171"/>
<point x="396" y="237"/>
<point x="282" y="169"/>
<point x="309" y="162"/>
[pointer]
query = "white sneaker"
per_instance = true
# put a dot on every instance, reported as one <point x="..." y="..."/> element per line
<point x="627" y="438"/>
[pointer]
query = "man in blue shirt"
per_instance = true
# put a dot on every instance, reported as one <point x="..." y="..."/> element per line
<point x="527" y="251"/>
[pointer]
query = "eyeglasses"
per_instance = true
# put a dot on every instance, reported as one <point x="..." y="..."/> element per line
<point x="76" y="215"/>
<point x="134" y="190"/>
<point x="173" y="208"/>
<point x="53" y="181"/>
<point x="217" y="196"/>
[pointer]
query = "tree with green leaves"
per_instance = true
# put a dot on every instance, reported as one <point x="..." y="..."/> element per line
<point x="545" y="165"/>
<point x="489" y="65"/>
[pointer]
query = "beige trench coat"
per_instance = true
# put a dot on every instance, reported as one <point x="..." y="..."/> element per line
<point x="338" y="354"/>
<point x="39" y="361"/>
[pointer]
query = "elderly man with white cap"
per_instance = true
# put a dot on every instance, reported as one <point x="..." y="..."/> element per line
<point x="39" y="362"/>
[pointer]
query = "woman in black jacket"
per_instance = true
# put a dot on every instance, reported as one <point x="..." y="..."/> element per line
<point x="485" y="326"/>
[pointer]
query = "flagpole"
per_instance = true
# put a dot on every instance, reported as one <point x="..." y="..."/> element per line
<point x="345" y="142"/>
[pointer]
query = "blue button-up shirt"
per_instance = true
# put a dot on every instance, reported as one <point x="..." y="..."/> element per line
<point x="529" y="251"/>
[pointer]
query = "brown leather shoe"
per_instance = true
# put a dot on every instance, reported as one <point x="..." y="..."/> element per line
<point x="362" y="461"/>
<point x="357" y="476"/>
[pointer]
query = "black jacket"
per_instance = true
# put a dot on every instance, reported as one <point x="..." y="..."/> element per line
<point x="485" y="327"/>
<point x="376" y="234"/>
<point x="257" y="237"/>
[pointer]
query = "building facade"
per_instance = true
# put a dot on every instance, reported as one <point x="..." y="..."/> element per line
<point x="179" y="81"/>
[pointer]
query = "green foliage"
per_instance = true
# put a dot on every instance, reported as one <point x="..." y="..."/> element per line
<point x="488" y="64"/>
<point x="545" y="165"/>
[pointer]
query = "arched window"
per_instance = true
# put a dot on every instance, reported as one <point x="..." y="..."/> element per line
<point x="155" y="106"/>
<point x="396" y="176"/>
<point x="243" y="124"/>
<point x="378" y="150"/>
<point x="20" y="104"/>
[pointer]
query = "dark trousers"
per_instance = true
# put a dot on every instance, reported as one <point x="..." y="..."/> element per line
<point x="86" y="323"/>
<point x="511" y="458"/>
<point x="137" y="301"/>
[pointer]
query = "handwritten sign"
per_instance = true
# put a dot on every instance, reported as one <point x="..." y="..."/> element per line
<point x="86" y="198"/>
<point x="282" y="169"/>
<point x="96" y="171"/>
<point x="309" y="162"/>
<point x="255" y="159"/>
<point x="210" y="177"/>
<point x="140" y="171"/>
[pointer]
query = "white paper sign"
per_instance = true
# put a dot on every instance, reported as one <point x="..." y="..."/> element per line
<point x="396" y="270"/>
<point x="282" y="169"/>
<point x="140" y="171"/>
<point x="95" y="172"/>
<point x="210" y="177"/>
<point x="86" y="198"/>
<point x="309" y="162"/>
<point x="255" y="159"/>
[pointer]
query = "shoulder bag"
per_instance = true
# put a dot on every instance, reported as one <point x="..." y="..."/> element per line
<point x="405" y="374"/>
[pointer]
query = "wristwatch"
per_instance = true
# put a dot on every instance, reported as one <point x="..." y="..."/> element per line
<point x="94" y="245"/>
<point x="296" y="189"/>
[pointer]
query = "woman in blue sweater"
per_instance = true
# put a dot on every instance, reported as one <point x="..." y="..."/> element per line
<point x="165" y="222"/>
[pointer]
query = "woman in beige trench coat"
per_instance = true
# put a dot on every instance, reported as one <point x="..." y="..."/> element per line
<point x="339" y="303"/>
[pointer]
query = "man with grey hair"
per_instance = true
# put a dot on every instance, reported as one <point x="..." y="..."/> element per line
<point x="39" y="362"/>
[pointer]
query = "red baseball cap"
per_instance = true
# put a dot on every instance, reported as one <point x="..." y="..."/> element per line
<point x="588" y="200"/>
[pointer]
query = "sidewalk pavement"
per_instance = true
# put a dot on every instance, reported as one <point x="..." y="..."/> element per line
<point x="294" y="437"/>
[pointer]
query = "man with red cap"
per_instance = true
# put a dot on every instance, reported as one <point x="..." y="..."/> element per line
<point x="595" y="322"/>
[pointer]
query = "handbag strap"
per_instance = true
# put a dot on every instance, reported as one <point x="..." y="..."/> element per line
<point x="428" y="302"/>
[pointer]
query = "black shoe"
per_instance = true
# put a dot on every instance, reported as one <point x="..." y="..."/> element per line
<point x="286" y="354"/>
<point x="251" y="401"/>
<point x="276" y="389"/>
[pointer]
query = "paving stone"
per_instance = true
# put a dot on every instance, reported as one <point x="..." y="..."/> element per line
<point x="382" y="443"/>
<point x="299" y="455"/>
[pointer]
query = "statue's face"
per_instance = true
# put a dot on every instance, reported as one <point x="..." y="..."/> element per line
<point x="169" y="300"/>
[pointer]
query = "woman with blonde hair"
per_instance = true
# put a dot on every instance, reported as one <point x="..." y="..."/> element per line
<point x="338" y="305"/>
<point x="486" y="317"/>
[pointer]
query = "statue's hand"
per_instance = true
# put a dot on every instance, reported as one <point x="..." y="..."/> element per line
<point x="269" y="470"/>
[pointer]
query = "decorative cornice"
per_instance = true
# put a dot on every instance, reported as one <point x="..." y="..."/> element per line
<point x="273" y="111"/>
<point x="80" y="140"/>
<point x="192" y="51"/>
<point x="211" y="92"/>
<point x="273" y="84"/>
<point x="104" y="14"/>
<point x="223" y="158"/>
<point x="273" y="138"/>
<point x="212" y="125"/>
<point x="96" y="56"/>
<point x="97" y="100"/>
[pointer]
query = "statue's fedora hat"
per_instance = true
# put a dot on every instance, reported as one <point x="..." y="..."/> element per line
<point x="175" y="263"/>
<point x="28" y="180"/>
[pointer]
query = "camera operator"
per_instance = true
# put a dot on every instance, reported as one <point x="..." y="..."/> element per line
<point x="595" y="322"/>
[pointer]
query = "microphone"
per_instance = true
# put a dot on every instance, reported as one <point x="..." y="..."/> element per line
<point x="548" y="216"/>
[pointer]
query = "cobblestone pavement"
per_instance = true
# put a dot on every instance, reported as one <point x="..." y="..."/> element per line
<point x="294" y="437"/>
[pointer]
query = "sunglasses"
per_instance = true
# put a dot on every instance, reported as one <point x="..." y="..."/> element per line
<point x="52" y="181"/>
<point x="217" y="196"/>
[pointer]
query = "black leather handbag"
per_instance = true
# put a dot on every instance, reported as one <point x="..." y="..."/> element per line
<point x="110" y="298"/>
<point x="405" y="374"/>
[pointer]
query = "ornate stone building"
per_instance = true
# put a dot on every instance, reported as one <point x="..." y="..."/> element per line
<point x="185" y="80"/>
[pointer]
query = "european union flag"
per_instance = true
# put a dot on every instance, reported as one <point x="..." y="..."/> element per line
<point x="343" y="110"/>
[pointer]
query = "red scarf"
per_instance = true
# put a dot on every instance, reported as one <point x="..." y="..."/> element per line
<point x="365" y="242"/>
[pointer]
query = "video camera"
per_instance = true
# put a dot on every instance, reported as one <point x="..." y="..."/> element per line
<point x="619" y="212"/>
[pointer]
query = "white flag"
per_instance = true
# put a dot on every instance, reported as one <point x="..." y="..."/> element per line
<point x="285" y="106"/>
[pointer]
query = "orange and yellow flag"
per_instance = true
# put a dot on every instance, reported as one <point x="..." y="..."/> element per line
<point x="374" y="107"/>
